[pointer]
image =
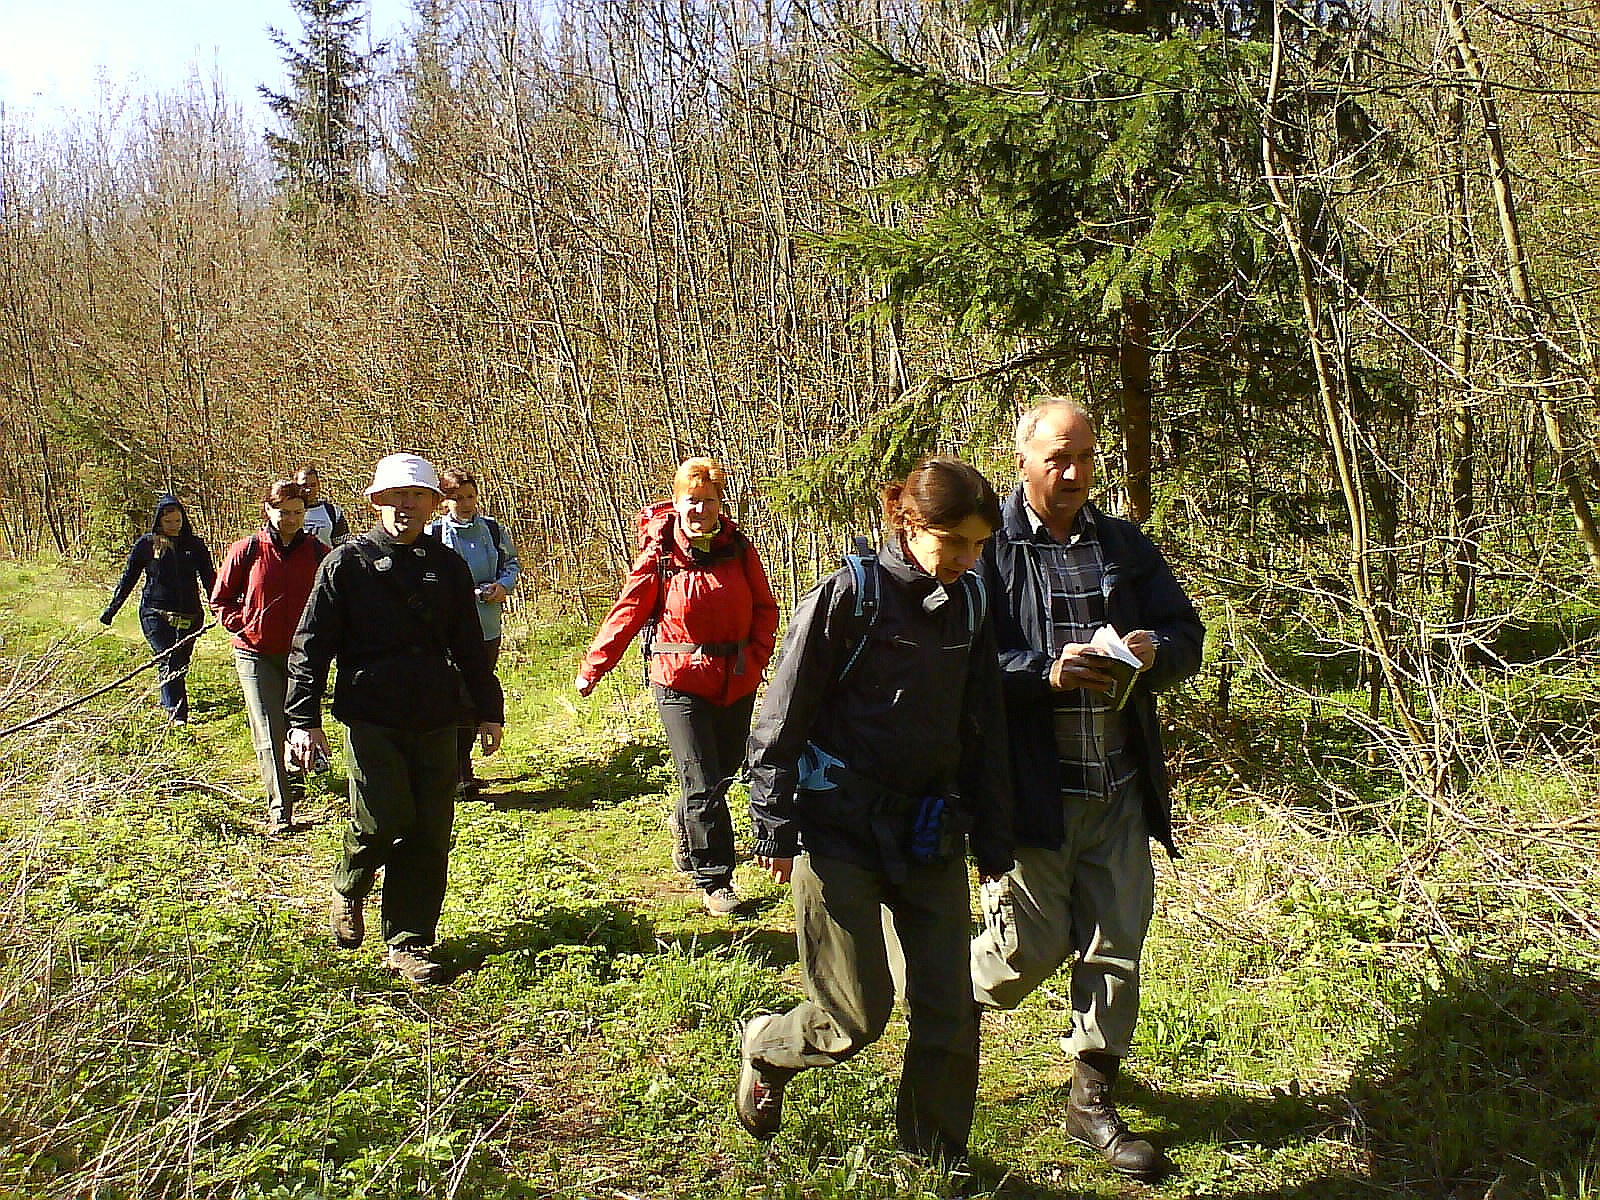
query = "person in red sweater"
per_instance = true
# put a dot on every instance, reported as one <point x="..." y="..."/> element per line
<point x="699" y="583"/>
<point x="259" y="594"/>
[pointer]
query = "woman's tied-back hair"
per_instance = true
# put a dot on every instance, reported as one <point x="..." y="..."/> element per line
<point x="693" y="472"/>
<point x="453" y="477"/>
<point x="940" y="493"/>
<point x="284" y="489"/>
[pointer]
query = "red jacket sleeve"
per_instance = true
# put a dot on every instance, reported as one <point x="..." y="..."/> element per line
<point x="227" y="593"/>
<point x="641" y="595"/>
<point x="764" y="621"/>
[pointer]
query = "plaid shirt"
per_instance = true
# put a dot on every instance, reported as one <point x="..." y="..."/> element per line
<point x="1090" y="737"/>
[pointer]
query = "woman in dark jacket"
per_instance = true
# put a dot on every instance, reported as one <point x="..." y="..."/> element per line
<point x="879" y="751"/>
<point x="700" y="581"/>
<point x="259" y="595"/>
<point x="177" y="575"/>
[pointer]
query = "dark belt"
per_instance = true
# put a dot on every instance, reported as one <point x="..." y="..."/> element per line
<point x="733" y="650"/>
<point x="885" y="810"/>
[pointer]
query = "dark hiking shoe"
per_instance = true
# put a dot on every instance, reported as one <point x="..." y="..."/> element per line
<point x="347" y="921"/>
<point x="721" y="901"/>
<point x="1093" y="1120"/>
<point x="680" y="845"/>
<point x="415" y="963"/>
<point x="758" y="1096"/>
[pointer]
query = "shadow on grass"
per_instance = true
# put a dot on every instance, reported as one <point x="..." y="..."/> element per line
<point x="612" y="927"/>
<point x="991" y="1178"/>
<point x="1488" y="1087"/>
<point x="632" y="770"/>
<point x="771" y="948"/>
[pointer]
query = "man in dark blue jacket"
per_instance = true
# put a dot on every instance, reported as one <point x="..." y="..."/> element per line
<point x="1090" y="779"/>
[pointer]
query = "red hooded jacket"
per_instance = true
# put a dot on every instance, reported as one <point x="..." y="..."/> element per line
<point x="716" y="599"/>
<point x="260" y="601"/>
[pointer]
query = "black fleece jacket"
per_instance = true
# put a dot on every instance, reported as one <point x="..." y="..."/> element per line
<point x="396" y="668"/>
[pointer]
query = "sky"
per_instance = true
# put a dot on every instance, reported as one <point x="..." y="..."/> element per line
<point x="54" y="54"/>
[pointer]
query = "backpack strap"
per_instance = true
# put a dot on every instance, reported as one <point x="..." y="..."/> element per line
<point x="977" y="596"/>
<point x="863" y="564"/>
<point x="371" y="555"/>
<point x="499" y="544"/>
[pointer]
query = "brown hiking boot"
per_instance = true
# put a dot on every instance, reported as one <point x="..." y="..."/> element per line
<point x="347" y="921"/>
<point x="1093" y="1120"/>
<point x="415" y="963"/>
<point x="758" y="1096"/>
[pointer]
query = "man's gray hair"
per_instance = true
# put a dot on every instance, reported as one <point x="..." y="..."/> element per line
<point x="1046" y="406"/>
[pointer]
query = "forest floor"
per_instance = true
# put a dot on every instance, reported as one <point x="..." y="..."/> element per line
<point x="1348" y="991"/>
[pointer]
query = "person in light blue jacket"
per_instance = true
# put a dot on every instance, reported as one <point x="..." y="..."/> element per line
<point x="490" y="553"/>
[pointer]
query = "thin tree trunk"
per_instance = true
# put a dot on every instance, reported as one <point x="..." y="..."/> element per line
<point x="1568" y="468"/>
<point x="1133" y="364"/>
<point x="1463" y="420"/>
<point x="1332" y="389"/>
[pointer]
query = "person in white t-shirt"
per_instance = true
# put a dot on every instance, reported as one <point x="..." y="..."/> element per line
<point x="324" y="521"/>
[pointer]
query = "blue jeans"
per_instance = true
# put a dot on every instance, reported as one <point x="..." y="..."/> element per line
<point x="173" y="669"/>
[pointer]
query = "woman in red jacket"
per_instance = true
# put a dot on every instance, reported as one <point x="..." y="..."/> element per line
<point x="259" y="594"/>
<point x="700" y="583"/>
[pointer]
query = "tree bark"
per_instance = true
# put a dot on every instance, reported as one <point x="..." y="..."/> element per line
<point x="1569" y="470"/>
<point x="1133" y="361"/>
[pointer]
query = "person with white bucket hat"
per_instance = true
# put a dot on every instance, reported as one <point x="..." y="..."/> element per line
<point x="396" y="610"/>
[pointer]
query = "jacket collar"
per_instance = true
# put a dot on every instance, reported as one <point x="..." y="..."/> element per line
<point x="722" y="541"/>
<point x="387" y="542"/>
<point x="269" y="534"/>
<point x="1019" y="522"/>
<point x="924" y="588"/>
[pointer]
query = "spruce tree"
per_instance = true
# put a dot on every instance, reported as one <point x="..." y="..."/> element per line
<point x="1086" y="193"/>
<point x="322" y="152"/>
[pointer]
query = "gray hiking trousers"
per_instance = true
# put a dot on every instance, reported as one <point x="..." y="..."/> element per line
<point x="845" y="962"/>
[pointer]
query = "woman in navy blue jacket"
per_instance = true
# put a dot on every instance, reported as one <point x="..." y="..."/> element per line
<point x="177" y="574"/>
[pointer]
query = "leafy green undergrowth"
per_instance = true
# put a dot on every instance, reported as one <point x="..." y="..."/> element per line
<point x="1345" y="995"/>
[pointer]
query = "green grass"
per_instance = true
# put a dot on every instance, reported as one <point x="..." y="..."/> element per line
<point x="1347" y="994"/>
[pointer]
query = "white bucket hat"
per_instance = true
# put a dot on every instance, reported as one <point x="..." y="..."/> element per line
<point x="404" y="470"/>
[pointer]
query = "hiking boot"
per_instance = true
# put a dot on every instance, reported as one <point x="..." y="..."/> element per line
<point x="758" y="1096"/>
<point x="415" y="963"/>
<point x="681" y="861"/>
<point x="1092" y="1119"/>
<point x="346" y="919"/>
<point x="721" y="901"/>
